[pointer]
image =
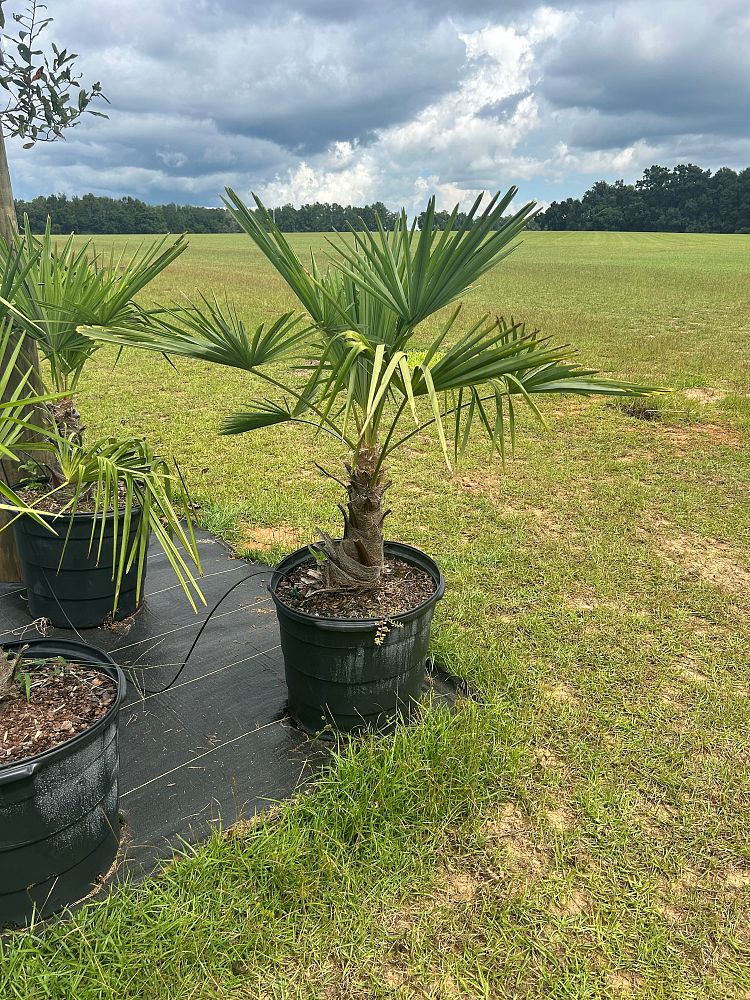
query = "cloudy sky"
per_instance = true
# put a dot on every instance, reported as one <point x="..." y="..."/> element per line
<point x="362" y="100"/>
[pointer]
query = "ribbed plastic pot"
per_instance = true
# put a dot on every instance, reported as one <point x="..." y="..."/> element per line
<point x="77" y="592"/>
<point x="59" y="822"/>
<point x="336" y="675"/>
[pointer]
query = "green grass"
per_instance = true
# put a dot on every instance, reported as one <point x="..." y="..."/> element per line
<point x="582" y="831"/>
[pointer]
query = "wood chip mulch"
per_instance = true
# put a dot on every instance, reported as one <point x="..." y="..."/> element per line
<point x="36" y="496"/>
<point x="402" y="588"/>
<point x="64" y="701"/>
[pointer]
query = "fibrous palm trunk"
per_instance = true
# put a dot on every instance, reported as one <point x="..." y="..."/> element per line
<point x="355" y="562"/>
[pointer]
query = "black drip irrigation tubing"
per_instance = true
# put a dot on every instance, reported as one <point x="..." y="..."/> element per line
<point x="144" y="691"/>
<point x="214" y="609"/>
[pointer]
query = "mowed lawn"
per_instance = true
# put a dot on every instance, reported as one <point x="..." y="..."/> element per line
<point x="580" y="830"/>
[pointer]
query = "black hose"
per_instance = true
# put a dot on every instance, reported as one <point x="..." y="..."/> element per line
<point x="210" y="615"/>
<point x="144" y="691"/>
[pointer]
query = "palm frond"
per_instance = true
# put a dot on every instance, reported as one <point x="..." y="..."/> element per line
<point x="416" y="276"/>
<point x="355" y="373"/>
<point x="56" y="287"/>
<point x="259" y="413"/>
<point x="212" y="331"/>
<point x="269" y="238"/>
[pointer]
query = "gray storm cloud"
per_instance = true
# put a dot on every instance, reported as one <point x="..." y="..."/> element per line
<point x="357" y="102"/>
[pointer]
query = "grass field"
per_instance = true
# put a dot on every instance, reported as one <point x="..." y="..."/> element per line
<point x="581" y="831"/>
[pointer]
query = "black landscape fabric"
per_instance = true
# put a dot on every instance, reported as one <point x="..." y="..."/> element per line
<point x="216" y="746"/>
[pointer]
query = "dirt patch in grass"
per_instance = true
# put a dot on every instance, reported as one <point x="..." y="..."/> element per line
<point x="508" y="825"/>
<point x="709" y="559"/>
<point x="654" y="817"/>
<point x="263" y="539"/>
<point x="625" y="983"/>
<point x="546" y="759"/>
<point x="460" y="886"/>
<point x="510" y="830"/>
<point x="478" y="483"/>
<point x="576" y="904"/>
<point x="674" y="914"/>
<point x="561" y="818"/>
<point x="632" y="456"/>
<point x="690" y="671"/>
<point x="671" y="696"/>
<point x="547" y="522"/>
<point x="736" y="877"/>
<point x="704" y="395"/>
<point x="685" y="438"/>
<point x="563" y="693"/>
<point x="577" y="602"/>
<point x="688" y="883"/>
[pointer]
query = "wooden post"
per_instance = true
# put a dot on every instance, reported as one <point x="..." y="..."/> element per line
<point x="9" y="569"/>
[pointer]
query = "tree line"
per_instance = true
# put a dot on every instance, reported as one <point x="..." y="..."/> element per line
<point x="94" y="214"/>
<point x="91" y="213"/>
<point x="683" y="199"/>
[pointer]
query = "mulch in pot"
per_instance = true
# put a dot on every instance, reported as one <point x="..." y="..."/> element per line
<point x="402" y="588"/>
<point x="65" y="699"/>
<point x="37" y="496"/>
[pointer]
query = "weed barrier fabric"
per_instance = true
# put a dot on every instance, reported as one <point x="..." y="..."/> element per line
<point x="216" y="746"/>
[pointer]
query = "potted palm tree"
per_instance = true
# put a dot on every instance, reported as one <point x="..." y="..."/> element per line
<point x="104" y="498"/>
<point x="355" y="611"/>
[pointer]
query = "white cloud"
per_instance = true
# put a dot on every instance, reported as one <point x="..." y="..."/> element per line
<point x="634" y="157"/>
<point x="455" y="146"/>
<point x="171" y="158"/>
<point x="353" y="183"/>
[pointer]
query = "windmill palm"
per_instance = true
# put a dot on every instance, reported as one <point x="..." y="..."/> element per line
<point x="48" y="288"/>
<point x="353" y="370"/>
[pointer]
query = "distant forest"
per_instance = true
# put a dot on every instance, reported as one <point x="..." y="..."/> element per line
<point x="685" y="199"/>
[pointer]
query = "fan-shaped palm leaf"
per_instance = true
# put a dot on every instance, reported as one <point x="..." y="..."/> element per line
<point x="64" y="286"/>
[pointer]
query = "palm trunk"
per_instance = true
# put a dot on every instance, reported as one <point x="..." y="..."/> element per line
<point x="355" y="562"/>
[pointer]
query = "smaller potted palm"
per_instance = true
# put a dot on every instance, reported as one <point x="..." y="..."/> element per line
<point x="103" y="499"/>
<point x="355" y="611"/>
<point x="59" y="703"/>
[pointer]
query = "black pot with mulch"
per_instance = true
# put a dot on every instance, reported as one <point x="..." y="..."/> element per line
<point x="59" y="764"/>
<point x="353" y="673"/>
<point x="66" y="580"/>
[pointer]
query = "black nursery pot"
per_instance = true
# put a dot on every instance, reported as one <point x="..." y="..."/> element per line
<point x="59" y="822"/>
<point x="336" y="675"/>
<point x="81" y="593"/>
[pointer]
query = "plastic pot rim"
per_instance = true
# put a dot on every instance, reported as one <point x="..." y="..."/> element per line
<point x="408" y="553"/>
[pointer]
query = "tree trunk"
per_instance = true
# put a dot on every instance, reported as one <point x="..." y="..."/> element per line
<point x="8" y="223"/>
<point x="355" y="562"/>
<point x="9" y="570"/>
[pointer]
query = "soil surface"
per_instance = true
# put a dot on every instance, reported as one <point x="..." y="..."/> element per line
<point x="402" y="587"/>
<point x="65" y="700"/>
<point x="36" y="497"/>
